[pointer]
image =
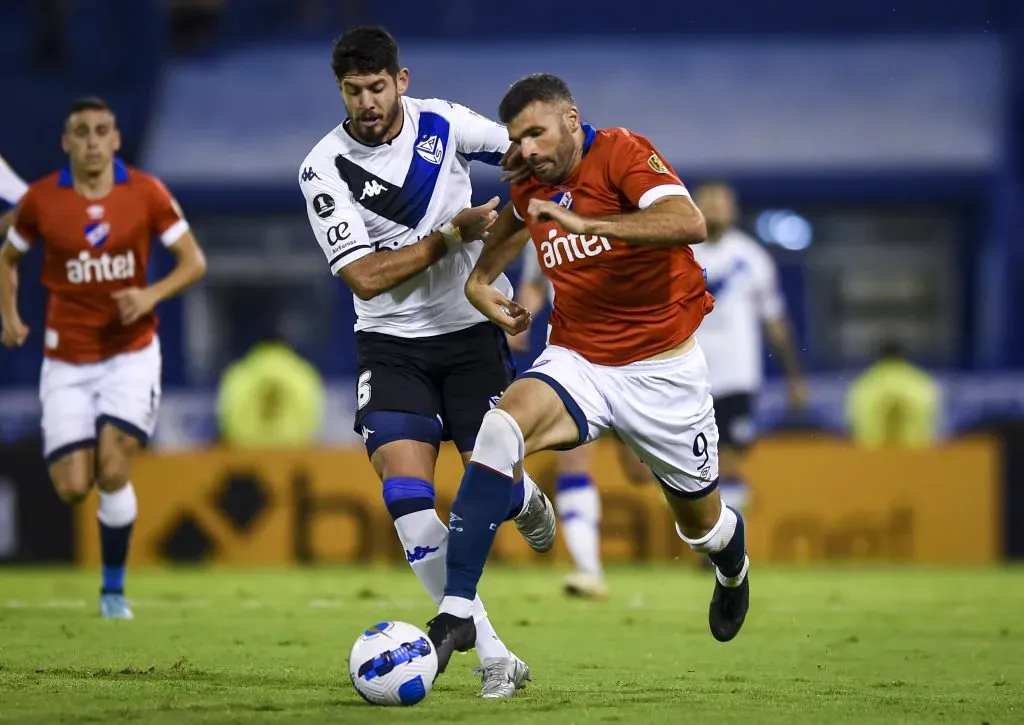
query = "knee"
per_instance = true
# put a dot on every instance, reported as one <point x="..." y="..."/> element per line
<point x="73" y="489"/>
<point x="499" y="444"/>
<point x="112" y="472"/>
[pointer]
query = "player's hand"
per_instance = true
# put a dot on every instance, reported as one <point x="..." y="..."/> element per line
<point x="514" y="165"/>
<point x="510" y="316"/>
<point x="15" y="332"/>
<point x="133" y="304"/>
<point x="474" y="222"/>
<point x="542" y="211"/>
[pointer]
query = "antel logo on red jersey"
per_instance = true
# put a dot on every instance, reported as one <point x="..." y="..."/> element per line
<point x="105" y="268"/>
<point x="555" y="249"/>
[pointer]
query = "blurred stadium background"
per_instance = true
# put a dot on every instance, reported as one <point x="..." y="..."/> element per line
<point x="877" y="151"/>
<point x="876" y="148"/>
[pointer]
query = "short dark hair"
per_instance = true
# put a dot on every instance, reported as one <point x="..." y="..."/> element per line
<point x="537" y="87"/>
<point x="365" y="50"/>
<point x="87" y="103"/>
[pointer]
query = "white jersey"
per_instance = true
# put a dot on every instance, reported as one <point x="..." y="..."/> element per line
<point x="12" y="187"/>
<point x="363" y="199"/>
<point x="742" y="277"/>
<point x="532" y="273"/>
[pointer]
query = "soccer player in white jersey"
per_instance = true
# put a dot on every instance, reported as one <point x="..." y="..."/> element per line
<point x="388" y="197"/>
<point x="577" y="500"/>
<point x="12" y="188"/>
<point x="743" y="278"/>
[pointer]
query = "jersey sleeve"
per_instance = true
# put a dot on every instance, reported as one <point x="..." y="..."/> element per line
<point x="12" y="187"/>
<point x="639" y="172"/>
<point x="336" y="223"/>
<point x="166" y="220"/>
<point x="25" y="230"/>
<point x="478" y="138"/>
<point x="771" y="304"/>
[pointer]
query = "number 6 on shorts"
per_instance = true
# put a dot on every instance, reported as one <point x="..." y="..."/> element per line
<point x="363" y="390"/>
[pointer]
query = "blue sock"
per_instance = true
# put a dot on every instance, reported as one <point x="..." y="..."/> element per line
<point x="571" y="481"/>
<point x="405" y="496"/>
<point x="729" y="560"/>
<point x="479" y="508"/>
<point x="114" y="550"/>
<point x="518" y="500"/>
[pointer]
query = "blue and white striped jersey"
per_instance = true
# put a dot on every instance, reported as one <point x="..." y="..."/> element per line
<point x="362" y="199"/>
<point x="12" y="187"/>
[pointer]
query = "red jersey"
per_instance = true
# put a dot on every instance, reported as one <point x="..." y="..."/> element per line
<point x="92" y="248"/>
<point x="615" y="302"/>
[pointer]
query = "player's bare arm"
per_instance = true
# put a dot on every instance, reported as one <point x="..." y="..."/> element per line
<point x="14" y="330"/>
<point x="780" y="337"/>
<point x="382" y="271"/>
<point x="190" y="265"/>
<point x="505" y="242"/>
<point x="668" y="222"/>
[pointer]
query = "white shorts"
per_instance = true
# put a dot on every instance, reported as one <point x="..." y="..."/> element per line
<point x="662" y="409"/>
<point x="123" y="390"/>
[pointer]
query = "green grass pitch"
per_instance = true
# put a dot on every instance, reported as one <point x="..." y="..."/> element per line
<point x="828" y="645"/>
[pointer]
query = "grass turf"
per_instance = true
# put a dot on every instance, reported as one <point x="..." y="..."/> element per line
<point x="840" y="645"/>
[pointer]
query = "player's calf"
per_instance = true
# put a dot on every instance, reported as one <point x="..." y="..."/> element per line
<point x="118" y="508"/>
<point x="724" y="541"/>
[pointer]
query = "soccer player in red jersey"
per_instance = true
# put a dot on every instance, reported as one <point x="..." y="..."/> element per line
<point x="100" y="382"/>
<point x="612" y="223"/>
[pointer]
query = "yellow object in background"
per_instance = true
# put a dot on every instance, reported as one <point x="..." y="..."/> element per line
<point x="893" y="403"/>
<point x="271" y="398"/>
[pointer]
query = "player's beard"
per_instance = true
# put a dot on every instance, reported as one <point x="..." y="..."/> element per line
<point x="377" y="133"/>
<point x="559" y="165"/>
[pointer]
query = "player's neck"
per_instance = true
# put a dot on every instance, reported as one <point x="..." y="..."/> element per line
<point x="580" y="138"/>
<point x="94" y="186"/>
<point x="396" y="127"/>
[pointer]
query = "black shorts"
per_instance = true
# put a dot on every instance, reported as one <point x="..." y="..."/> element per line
<point x="443" y="384"/>
<point x="734" y="414"/>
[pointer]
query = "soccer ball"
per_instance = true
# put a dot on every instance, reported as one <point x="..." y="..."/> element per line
<point x="393" y="663"/>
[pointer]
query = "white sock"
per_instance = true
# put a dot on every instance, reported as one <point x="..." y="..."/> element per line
<point x="425" y="540"/>
<point x="118" y="508"/>
<point x="580" y="512"/>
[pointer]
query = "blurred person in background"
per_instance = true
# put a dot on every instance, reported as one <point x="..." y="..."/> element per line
<point x="577" y="499"/>
<point x="893" y="403"/>
<point x="388" y="197"/>
<point x="271" y="398"/>
<point x="96" y="220"/>
<point x="743" y="278"/>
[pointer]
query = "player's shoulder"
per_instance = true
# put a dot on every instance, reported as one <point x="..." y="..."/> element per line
<point x="332" y="143"/>
<point x="439" y="106"/>
<point x="618" y="145"/>
<point x="614" y="138"/>
<point x="45" y="185"/>
<point x="142" y="180"/>
<point x="40" y="191"/>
